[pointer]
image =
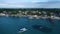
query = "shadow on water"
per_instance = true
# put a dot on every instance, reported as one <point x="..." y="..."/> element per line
<point x="51" y="21"/>
<point x="42" y="28"/>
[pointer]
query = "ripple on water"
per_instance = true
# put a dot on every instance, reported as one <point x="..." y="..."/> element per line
<point x="9" y="25"/>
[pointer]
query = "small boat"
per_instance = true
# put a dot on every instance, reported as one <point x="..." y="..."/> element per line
<point x="42" y="28"/>
<point x="22" y="30"/>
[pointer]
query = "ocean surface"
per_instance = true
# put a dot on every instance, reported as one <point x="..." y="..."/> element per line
<point x="11" y="25"/>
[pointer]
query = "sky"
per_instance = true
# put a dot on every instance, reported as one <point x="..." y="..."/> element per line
<point x="24" y="3"/>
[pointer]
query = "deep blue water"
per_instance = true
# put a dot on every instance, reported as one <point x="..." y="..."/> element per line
<point x="11" y="25"/>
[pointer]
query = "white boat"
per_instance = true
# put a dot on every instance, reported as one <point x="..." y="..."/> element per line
<point x="22" y="30"/>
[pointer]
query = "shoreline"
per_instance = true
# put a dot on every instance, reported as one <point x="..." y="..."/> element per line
<point x="32" y="16"/>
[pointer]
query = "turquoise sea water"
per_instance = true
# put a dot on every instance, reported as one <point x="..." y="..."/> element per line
<point x="11" y="25"/>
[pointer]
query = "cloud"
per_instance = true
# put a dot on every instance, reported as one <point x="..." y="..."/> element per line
<point x="29" y="4"/>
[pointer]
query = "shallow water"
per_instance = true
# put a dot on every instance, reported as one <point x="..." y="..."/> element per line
<point x="11" y="25"/>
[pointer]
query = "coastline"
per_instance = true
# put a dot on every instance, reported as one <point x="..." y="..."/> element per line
<point x="31" y="16"/>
